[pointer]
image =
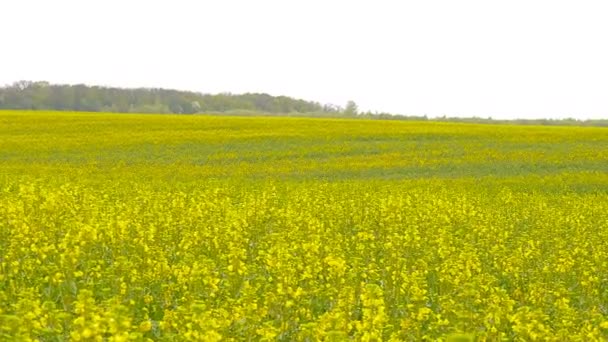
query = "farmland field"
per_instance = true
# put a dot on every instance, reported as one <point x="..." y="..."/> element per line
<point x="134" y="227"/>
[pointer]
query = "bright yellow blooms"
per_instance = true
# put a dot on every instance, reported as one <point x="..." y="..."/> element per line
<point x="176" y="228"/>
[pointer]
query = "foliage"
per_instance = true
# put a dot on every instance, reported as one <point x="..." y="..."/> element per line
<point x="27" y="95"/>
<point x="171" y="228"/>
<point x="351" y="109"/>
<point x="42" y="95"/>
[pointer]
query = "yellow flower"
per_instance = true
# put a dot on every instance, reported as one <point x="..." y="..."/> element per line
<point x="145" y="326"/>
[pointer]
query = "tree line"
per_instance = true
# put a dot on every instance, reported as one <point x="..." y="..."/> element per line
<point x="29" y="95"/>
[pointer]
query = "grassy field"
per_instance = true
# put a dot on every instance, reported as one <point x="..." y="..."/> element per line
<point x="148" y="227"/>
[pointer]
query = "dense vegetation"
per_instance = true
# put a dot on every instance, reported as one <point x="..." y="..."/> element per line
<point x="42" y="95"/>
<point x="26" y="95"/>
<point x="204" y="228"/>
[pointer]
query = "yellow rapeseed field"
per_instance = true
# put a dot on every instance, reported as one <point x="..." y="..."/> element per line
<point x="193" y="228"/>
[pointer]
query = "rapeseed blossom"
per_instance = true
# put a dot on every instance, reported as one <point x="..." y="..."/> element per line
<point x="144" y="228"/>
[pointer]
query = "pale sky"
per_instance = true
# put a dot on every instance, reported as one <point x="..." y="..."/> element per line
<point x="505" y="59"/>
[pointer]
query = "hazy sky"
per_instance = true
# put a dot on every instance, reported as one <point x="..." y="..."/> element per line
<point x="504" y="59"/>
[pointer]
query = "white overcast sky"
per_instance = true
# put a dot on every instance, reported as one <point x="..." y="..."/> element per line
<point x="505" y="59"/>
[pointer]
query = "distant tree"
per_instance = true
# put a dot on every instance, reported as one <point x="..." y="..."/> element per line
<point x="331" y="108"/>
<point x="196" y="106"/>
<point x="351" y="108"/>
<point x="42" y="95"/>
<point x="23" y="85"/>
<point x="175" y="108"/>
